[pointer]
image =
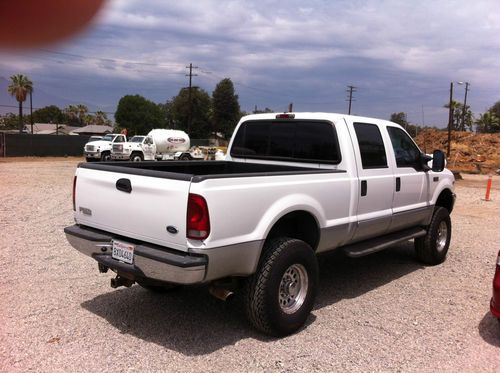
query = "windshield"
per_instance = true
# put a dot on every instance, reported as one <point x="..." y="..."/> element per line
<point x="108" y="138"/>
<point x="137" y="139"/>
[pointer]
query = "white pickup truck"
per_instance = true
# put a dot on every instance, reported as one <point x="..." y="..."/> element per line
<point x="293" y="185"/>
<point x="100" y="150"/>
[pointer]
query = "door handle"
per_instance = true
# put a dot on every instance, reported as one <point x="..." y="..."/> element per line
<point x="124" y="185"/>
<point x="398" y="184"/>
<point x="364" y="188"/>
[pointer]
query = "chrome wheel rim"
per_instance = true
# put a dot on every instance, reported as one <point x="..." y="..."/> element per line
<point x="136" y="159"/>
<point x="293" y="288"/>
<point x="442" y="236"/>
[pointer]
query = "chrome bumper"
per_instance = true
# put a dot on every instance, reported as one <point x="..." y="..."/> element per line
<point x="120" y="156"/>
<point x="92" y="154"/>
<point x="150" y="261"/>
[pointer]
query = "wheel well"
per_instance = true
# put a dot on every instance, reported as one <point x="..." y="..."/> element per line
<point x="445" y="200"/>
<point x="298" y="224"/>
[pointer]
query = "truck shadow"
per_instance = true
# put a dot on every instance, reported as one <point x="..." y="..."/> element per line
<point x="342" y="277"/>
<point x="192" y="322"/>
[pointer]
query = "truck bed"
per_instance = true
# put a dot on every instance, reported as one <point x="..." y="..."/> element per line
<point x="197" y="171"/>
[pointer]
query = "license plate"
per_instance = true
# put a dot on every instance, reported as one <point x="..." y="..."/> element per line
<point x="123" y="251"/>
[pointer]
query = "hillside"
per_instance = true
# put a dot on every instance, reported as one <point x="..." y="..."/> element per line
<point x="470" y="152"/>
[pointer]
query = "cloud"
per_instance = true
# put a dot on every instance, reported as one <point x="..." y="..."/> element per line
<point x="400" y="54"/>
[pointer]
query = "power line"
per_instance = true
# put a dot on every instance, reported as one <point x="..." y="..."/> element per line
<point x="104" y="59"/>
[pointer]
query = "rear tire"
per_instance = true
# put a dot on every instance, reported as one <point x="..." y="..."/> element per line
<point x="136" y="157"/>
<point x="433" y="247"/>
<point x="280" y="295"/>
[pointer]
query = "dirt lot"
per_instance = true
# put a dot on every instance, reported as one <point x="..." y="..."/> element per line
<point x="384" y="312"/>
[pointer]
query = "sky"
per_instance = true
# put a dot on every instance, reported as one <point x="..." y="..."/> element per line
<point x="400" y="55"/>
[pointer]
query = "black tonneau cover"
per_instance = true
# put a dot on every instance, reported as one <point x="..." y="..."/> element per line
<point x="197" y="171"/>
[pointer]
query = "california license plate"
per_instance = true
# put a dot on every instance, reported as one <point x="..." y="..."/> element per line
<point x="123" y="251"/>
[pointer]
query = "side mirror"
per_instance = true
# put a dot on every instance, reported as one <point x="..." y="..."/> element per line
<point x="424" y="160"/>
<point x="438" y="161"/>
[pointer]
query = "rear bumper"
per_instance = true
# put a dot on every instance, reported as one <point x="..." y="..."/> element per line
<point x="150" y="261"/>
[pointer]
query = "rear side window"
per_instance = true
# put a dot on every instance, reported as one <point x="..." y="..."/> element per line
<point x="406" y="152"/>
<point x="297" y="140"/>
<point x="371" y="145"/>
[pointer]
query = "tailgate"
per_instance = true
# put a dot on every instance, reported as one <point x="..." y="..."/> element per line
<point x="144" y="213"/>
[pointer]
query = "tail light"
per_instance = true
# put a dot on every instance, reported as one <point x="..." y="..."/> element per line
<point x="74" y="193"/>
<point x="198" y="220"/>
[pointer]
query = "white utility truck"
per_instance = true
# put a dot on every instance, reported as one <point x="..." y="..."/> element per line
<point x="100" y="150"/>
<point x="137" y="149"/>
<point x="159" y="144"/>
<point x="293" y="185"/>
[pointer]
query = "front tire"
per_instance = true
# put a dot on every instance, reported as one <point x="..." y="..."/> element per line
<point x="185" y="157"/>
<point x="105" y="157"/>
<point x="433" y="247"/>
<point x="280" y="295"/>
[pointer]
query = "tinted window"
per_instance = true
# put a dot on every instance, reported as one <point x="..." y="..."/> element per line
<point x="371" y="145"/>
<point x="295" y="139"/>
<point x="406" y="152"/>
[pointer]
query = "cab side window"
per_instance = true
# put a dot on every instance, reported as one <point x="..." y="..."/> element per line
<point x="406" y="152"/>
<point x="371" y="145"/>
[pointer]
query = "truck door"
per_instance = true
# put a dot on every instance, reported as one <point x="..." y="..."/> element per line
<point x="410" y="205"/>
<point x="148" y="149"/>
<point x="376" y="180"/>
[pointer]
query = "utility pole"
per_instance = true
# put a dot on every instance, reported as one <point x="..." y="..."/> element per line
<point x="190" y="103"/>
<point x="465" y="106"/>
<point x="290" y="107"/>
<point x="31" y="110"/>
<point x="450" y="120"/>
<point x="351" y="90"/>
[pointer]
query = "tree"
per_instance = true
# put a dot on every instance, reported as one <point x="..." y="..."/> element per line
<point x="138" y="115"/>
<point x="399" y="118"/>
<point x="495" y="109"/>
<point x="9" y="121"/>
<point x="225" y="107"/>
<point x="71" y="113"/>
<point x="488" y="123"/>
<point x="265" y="111"/>
<point x="177" y="112"/>
<point x="100" y="118"/>
<point x="458" y="108"/>
<point x="19" y="87"/>
<point x="49" y="114"/>
<point x="82" y="111"/>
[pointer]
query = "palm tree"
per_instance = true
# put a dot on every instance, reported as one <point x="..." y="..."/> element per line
<point x="488" y="123"/>
<point x="19" y="87"/>
<point x="82" y="113"/>
<point x="72" y="114"/>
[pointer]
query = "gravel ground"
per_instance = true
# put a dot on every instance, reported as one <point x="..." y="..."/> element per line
<point x="384" y="312"/>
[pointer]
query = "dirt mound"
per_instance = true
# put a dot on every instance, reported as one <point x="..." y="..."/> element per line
<point x="470" y="152"/>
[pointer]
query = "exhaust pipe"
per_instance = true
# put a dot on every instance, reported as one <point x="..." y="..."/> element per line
<point x="220" y="293"/>
<point x="121" y="281"/>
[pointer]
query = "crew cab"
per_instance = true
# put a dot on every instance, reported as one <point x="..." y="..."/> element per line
<point x="293" y="185"/>
<point x="137" y="149"/>
<point x="100" y="150"/>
